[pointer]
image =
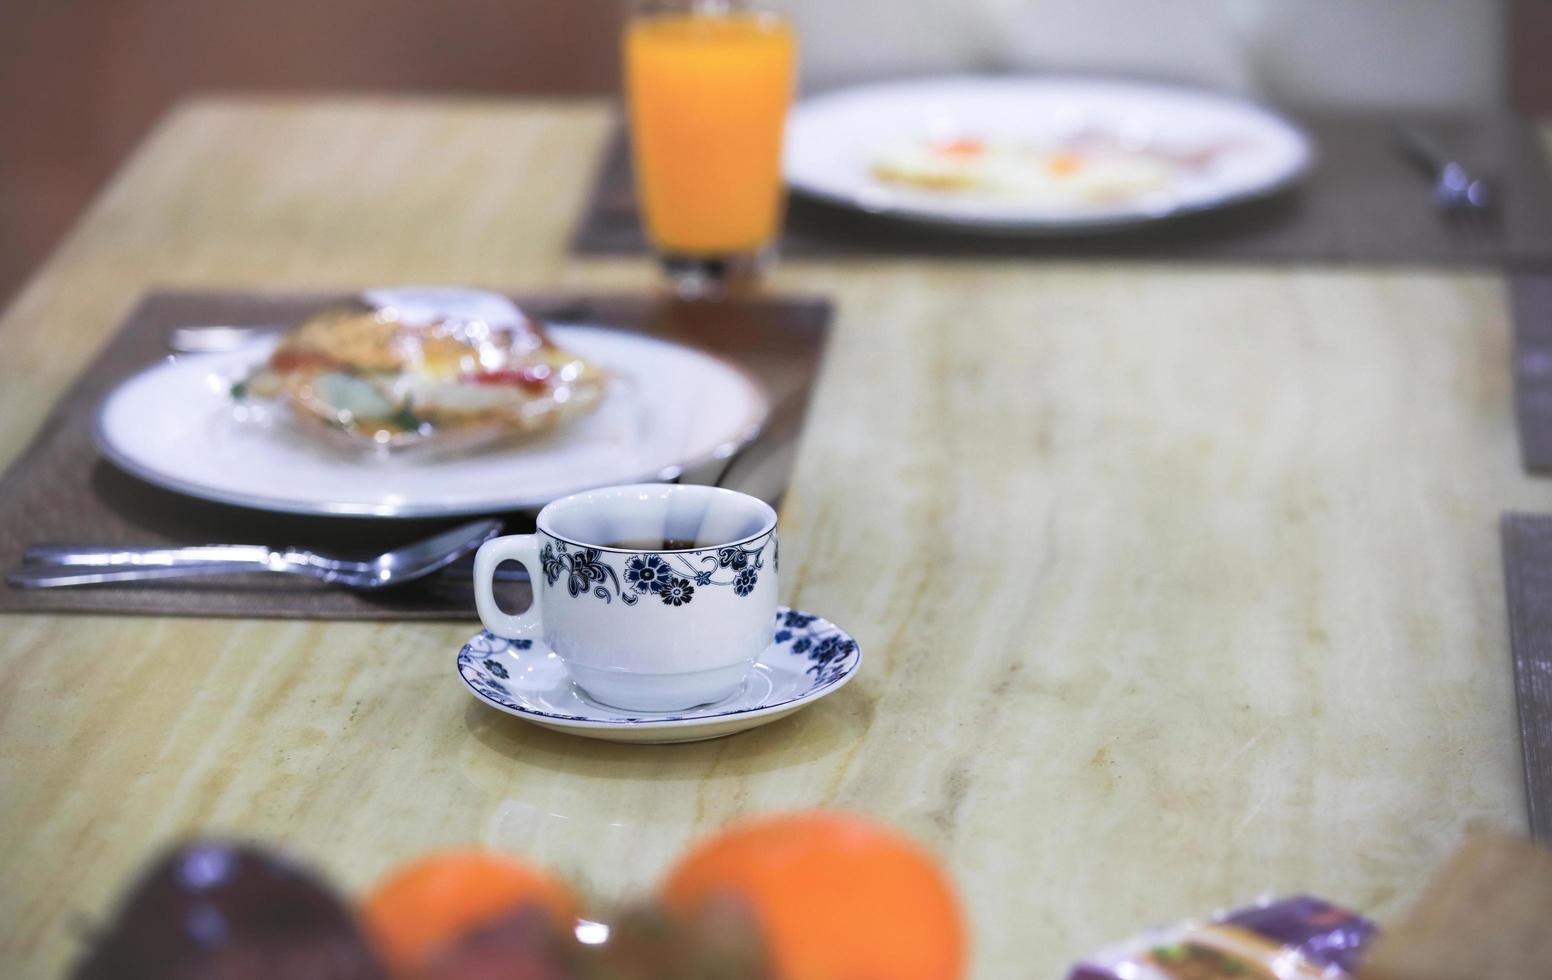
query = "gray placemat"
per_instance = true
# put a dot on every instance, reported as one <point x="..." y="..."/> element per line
<point x="1531" y="296"/>
<point x="1527" y="551"/>
<point x="59" y="490"/>
<point x="1362" y="203"/>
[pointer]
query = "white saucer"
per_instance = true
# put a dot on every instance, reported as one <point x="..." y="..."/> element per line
<point x="811" y="657"/>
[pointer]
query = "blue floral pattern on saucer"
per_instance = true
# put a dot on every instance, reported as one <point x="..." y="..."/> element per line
<point x="808" y="658"/>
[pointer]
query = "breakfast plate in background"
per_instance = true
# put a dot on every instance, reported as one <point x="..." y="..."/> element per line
<point x="667" y="408"/>
<point x="1038" y="155"/>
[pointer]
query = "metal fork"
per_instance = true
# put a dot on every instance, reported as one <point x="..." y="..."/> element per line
<point x="1466" y="199"/>
<point x="52" y="566"/>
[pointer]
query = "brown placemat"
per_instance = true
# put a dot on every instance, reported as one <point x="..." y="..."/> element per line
<point x="1361" y="204"/>
<point x="60" y="490"/>
<point x="1527" y="553"/>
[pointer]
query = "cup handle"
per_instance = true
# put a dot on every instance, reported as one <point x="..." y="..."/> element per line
<point x="521" y="548"/>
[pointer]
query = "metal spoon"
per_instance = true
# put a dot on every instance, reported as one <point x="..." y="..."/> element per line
<point x="63" y="566"/>
<point x="1456" y="188"/>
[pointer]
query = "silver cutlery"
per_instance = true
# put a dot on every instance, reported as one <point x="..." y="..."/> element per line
<point x="1466" y="198"/>
<point x="76" y="555"/>
<point x="761" y="466"/>
<point x="57" y="565"/>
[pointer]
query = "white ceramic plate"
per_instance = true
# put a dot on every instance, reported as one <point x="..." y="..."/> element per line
<point x="668" y="408"/>
<point x="810" y="658"/>
<point x="833" y="141"/>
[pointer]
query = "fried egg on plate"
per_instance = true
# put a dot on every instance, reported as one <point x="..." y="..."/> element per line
<point x="1008" y="169"/>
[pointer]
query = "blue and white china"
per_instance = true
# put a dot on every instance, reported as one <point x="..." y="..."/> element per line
<point x="639" y="623"/>
<point x="808" y="658"/>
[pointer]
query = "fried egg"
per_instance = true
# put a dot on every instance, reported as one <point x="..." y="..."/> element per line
<point x="1000" y="168"/>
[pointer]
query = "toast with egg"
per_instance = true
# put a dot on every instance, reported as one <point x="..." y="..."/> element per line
<point x="367" y="376"/>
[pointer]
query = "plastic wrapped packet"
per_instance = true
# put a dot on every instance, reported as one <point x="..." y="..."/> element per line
<point x="1299" y="938"/>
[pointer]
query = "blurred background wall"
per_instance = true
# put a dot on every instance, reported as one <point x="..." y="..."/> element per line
<point x="1308" y="54"/>
<point x="82" y="80"/>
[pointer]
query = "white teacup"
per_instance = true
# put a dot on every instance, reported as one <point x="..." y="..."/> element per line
<point x="639" y="624"/>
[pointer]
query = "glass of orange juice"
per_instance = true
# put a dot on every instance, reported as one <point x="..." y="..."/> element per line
<point x="708" y="84"/>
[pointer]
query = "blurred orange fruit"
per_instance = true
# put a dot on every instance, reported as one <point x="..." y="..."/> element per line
<point x="838" y="897"/>
<point x="425" y="905"/>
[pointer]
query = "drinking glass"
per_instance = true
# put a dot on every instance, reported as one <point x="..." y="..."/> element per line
<point x="708" y="84"/>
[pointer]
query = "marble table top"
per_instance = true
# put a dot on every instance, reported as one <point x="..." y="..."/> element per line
<point x="1179" y="585"/>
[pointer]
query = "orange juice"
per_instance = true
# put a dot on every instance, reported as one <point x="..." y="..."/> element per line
<point x="708" y="96"/>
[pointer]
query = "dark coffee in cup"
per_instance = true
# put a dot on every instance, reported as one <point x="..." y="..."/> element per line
<point x="660" y="544"/>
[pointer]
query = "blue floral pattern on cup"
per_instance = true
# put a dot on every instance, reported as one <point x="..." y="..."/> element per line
<point x="678" y="592"/>
<point x="647" y="573"/>
<point x="670" y="576"/>
<point x="744" y="581"/>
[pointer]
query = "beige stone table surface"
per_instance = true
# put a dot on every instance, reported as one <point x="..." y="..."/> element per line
<point x="1177" y="584"/>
